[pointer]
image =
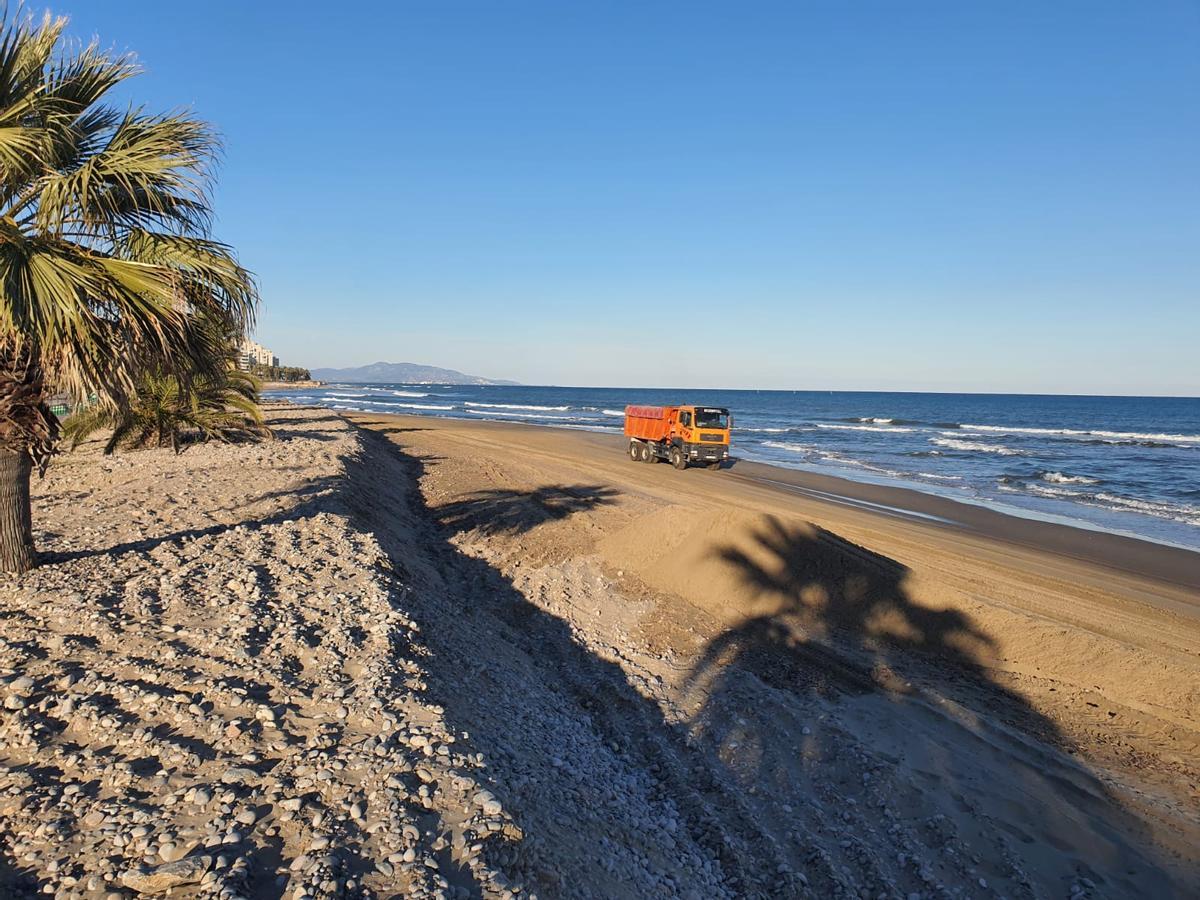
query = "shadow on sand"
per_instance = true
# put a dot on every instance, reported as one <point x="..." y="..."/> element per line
<point x="515" y="512"/>
<point x="892" y="708"/>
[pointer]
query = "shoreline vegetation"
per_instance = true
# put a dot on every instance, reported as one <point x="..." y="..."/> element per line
<point x="392" y="655"/>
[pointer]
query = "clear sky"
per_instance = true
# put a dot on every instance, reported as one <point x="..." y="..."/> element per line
<point x="897" y="196"/>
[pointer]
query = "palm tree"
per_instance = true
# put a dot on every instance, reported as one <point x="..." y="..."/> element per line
<point x="106" y="261"/>
<point x="166" y="409"/>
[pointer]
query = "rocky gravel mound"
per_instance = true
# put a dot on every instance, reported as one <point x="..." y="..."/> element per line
<point x="212" y="688"/>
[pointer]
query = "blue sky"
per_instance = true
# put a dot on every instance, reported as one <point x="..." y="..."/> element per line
<point x="892" y="196"/>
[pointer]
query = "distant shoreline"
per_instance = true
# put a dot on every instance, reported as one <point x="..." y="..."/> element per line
<point x="291" y="385"/>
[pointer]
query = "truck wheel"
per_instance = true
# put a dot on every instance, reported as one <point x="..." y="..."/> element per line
<point x="678" y="460"/>
<point x="648" y="454"/>
<point x="635" y="450"/>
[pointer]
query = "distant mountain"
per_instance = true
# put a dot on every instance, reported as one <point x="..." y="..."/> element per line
<point x="401" y="373"/>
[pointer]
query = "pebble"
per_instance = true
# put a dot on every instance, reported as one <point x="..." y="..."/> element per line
<point x="168" y="875"/>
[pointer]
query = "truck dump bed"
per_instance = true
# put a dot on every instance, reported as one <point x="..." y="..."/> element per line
<point x="650" y="423"/>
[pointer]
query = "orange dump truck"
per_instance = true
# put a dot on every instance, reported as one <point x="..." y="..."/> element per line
<point x="685" y="435"/>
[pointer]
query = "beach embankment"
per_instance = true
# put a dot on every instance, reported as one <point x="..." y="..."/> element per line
<point x="384" y="656"/>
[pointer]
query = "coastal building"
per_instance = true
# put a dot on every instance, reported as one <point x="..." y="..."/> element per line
<point x="252" y="353"/>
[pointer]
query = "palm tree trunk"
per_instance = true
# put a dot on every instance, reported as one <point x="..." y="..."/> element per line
<point x="28" y="432"/>
<point x="17" y="553"/>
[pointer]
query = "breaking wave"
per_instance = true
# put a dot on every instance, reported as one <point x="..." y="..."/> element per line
<point x="1188" y="515"/>
<point x="519" y="415"/>
<point x="974" y="447"/>
<point x="1063" y="478"/>
<point x="889" y="428"/>
<point x="517" y="406"/>
<point x="1113" y="436"/>
<point x="794" y="448"/>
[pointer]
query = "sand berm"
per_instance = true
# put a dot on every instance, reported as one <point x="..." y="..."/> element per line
<point x="404" y="657"/>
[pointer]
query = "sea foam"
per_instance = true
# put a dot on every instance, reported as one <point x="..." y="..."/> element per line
<point x="517" y="406"/>
<point x="1132" y="436"/>
<point x="887" y="428"/>
<point x="1062" y="478"/>
<point x="974" y="447"/>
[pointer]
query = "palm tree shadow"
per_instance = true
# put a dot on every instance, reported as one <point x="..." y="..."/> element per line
<point x="817" y="585"/>
<point x="838" y="639"/>
<point x="512" y="512"/>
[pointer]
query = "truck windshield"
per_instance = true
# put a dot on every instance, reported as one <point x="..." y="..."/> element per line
<point x="712" y="418"/>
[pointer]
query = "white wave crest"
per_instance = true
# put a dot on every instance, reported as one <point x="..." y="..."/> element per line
<point x="762" y="430"/>
<point x="1180" y="513"/>
<point x="876" y="420"/>
<point x="1189" y="515"/>
<point x="1084" y="433"/>
<point x="614" y="412"/>
<point x="887" y="428"/>
<point x="1062" y="478"/>
<point x="974" y="446"/>
<point x="784" y="445"/>
<point x="517" y="406"/>
<point x="413" y="405"/>
<point x="517" y="415"/>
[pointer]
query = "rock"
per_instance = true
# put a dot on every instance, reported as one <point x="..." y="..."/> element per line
<point x="237" y="775"/>
<point x="484" y="797"/>
<point x="168" y="875"/>
<point x="22" y="685"/>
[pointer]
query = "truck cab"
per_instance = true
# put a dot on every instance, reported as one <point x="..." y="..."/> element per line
<point x="702" y="433"/>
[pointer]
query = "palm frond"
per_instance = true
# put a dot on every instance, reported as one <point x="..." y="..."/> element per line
<point x="107" y="266"/>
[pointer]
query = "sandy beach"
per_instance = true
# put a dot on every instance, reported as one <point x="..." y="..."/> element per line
<point x="400" y="656"/>
<point x="877" y="656"/>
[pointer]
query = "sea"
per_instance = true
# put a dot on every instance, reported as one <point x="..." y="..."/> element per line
<point x="1129" y="465"/>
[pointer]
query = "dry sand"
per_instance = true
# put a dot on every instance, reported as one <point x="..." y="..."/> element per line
<point x="427" y="657"/>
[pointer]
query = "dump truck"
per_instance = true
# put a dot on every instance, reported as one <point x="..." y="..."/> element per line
<point x="685" y="435"/>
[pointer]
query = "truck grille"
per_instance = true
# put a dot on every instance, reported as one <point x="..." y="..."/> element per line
<point x="712" y="438"/>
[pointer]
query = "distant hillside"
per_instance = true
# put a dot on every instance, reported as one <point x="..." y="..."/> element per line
<point x="401" y="373"/>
